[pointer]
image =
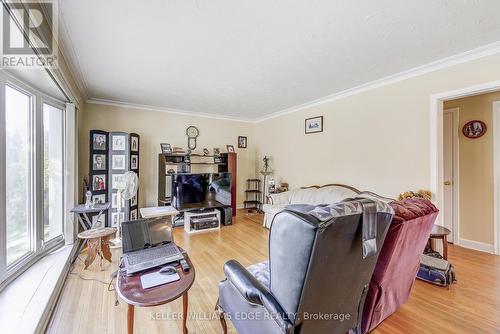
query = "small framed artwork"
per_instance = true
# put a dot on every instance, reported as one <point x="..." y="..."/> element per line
<point x="134" y="161"/>
<point x="114" y="201"/>
<point x="166" y="148"/>
<point x="99" y="199"/>
<point x="474" y="129"/>
<point x="99" y="182"/>
<point x="230" y="148"/>
<point x="216" y="151"/>
<point x="118" y="162"/>
<point x="242" y="142"/>
<point x="134" y="143"/>
<point x="118" y="143"/>
<point x="133" y="201"/>
<point x="115" y="220"/>
<point x="133" y="214"/>
<point x="99" y="142"/>
<point x="99" y="162"/>
<point x="314" y="124"/>
<point x="116" y="180"/>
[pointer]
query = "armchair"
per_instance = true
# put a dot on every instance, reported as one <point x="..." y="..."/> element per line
<point x="321" y="259"/>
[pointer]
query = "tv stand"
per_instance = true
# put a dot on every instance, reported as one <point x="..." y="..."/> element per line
<point x="202" y="220"/>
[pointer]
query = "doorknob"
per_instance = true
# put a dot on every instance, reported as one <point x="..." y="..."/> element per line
<point x="447" y="183"/>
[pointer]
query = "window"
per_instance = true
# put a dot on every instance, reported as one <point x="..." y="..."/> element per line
<point x="17" y="173"/>
<point x="53" y="167"/>
<point x="32" y="146"/>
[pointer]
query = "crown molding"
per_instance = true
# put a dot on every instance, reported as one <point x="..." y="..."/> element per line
<point x="477" y="53"/>
<point x="182" y="112"/>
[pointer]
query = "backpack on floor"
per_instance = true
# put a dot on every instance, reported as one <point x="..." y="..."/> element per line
<point x="436" y="271"/>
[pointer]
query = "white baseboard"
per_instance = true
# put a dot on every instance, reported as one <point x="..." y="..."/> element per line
<point x="476" y="245"/>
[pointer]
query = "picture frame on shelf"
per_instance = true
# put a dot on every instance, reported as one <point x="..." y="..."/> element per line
<point x="216" y="152"/>
<point x="99" y="142"/>
<point x="99" y="162"/>
<point x="230" y="148"/>
<point x="118" y="162"/>
<point x="99" y="182"/>
<point x="242" y="142"/>
<point x="166" y="148"/>
<point x="314" y="125"/>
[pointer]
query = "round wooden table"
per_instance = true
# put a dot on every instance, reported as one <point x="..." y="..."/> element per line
<point x="130" y="289"/>
<point x="98" y="244"/>
<point x="441" y="233"/>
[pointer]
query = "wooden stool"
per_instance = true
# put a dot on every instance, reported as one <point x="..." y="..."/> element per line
<point x="98" y="244"/>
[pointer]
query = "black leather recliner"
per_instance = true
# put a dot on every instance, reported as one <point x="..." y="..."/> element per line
<point x="321" y="259"/>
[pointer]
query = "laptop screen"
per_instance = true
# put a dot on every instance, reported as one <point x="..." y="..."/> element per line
<point x="144" y="233"/>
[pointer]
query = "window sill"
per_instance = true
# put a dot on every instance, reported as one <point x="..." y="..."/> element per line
<point x="26" y="303"/>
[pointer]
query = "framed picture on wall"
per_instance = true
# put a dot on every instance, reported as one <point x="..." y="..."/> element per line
<point x="474" y="129"/>
<point x="134" y="161"/>
<point x="134" y="143"/>
<point x="99" y="199"/>
<point x="99" y="182"/>
<point x="118" y="143"/>
<point x="242" y="142"/>
<point x="314" y="124"/>
<point x="118" y="162"/>
<point x="99" y="142"/>
<point x="99" y="161"/>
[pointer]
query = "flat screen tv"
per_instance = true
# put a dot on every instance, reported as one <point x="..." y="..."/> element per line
<point x="196" y="191"/>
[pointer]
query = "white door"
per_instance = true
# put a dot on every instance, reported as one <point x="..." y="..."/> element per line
<point x="450" y="137"/>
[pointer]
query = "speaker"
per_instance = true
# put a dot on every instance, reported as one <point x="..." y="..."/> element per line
<point x="226" y="215"/>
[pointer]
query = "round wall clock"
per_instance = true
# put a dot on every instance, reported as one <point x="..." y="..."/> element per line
<point x="474" y="129"/>
<point x="192" y="132"/>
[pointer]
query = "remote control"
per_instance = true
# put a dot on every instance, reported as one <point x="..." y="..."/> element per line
<point x="185" y="266"/>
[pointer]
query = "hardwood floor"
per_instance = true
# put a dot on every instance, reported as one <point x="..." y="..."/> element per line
<point x="470" y="306"/>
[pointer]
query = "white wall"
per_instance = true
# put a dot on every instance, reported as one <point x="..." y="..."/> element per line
<point x="156" y="127"/>
<point x="376" y="140"/>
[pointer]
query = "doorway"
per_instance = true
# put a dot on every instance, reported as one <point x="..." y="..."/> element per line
<point x="450" y="173"/>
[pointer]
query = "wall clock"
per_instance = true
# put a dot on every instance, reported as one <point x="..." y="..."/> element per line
<point x="192" y="132"/>
<point x="474" y="129"/>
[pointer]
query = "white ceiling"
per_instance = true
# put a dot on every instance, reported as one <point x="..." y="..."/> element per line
<point x="249" y="59"/>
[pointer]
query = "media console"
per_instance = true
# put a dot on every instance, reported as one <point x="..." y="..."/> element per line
<point x="201" y="221"/>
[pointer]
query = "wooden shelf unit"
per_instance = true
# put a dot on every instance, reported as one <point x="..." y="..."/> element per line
<point x="225" y="163"/>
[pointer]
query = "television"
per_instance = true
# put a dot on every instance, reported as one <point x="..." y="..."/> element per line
<point x="201" y="190"/>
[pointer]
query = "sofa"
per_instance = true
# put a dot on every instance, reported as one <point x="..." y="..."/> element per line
<point x="314" y="251"/>
<point x="314" y="195"/>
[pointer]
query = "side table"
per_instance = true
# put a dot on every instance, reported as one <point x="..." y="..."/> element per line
<point x="440" y="233"/>
<point x="98" y="244"/>
<point x="130" y="290"/>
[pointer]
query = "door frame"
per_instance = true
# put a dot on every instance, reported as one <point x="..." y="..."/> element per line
<point x="436" y="149"/>
<point x="455" y="222"/>
<point x="496" y="174"/>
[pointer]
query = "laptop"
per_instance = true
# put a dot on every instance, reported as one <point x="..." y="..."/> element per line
<point x="148" y="243"/>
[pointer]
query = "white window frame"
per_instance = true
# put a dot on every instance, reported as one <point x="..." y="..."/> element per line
<point x="38" y="248"/>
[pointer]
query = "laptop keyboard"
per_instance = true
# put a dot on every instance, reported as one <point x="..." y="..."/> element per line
<point x="154" y="253"/>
